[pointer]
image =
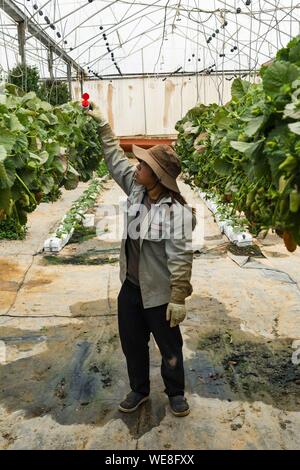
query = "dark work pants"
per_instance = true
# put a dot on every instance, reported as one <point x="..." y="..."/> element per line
<point x="135" y="324"/>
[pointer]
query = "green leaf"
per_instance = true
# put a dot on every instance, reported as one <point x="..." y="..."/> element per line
<point x="239" y="88"/>
<point x="246" y="147"/>
<point x="71" y="182"/>
<point x="292" y="110"/>
<point x="3" y="153"/>
<point x="223" y="121"/>
<point x="44" y="118"/>
<point x="57" y="164"/>
<point x="7" y="139"/>
<point x="45" y="106"/>
<point x="294" y="55"/>
<point x="4" y="180"/>
<point x="52" y="119"/>
<point x="5" y="200"/>
<point x="47" y="183"/>
<point x="32" y="104"/>
<point x="42" y="157"/>
<point x="29" y="96"/>
<point x="21" y="142"/>
<point x="295" y="127"/>
<point x="15" y="124"/>
<point x="254" y="125"/>
<point x="12" y="102"/>
<point x="24" y="118"/>
<point x="222" y="168"/>
<point x="279" y="74"/>
<point x="31" y="164"/>
<point x="72" y="170"/>
<point x="53" y="149"/>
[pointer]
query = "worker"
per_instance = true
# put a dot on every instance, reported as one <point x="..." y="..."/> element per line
<point x="155" y="265"/>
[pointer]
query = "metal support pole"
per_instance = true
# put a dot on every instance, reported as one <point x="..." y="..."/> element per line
<point x="12" y="10"/>
<point x="21" y="41"/>
<point x="81" y="84"/>
<point x="144" y="93"/>
<point x="50" y="62"/>
<point x="69" y="74"/>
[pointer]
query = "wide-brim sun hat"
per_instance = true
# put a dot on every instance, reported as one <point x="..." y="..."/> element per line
<point x="164" y="161"/>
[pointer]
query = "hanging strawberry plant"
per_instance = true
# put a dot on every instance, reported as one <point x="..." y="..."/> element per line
<point x="247" y="152"/>
<point x="42" y="148"/>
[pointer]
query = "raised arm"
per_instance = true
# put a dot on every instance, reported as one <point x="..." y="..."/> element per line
<point x="119" y="167"/>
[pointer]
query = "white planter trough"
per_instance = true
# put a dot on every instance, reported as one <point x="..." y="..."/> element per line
<point x="88" y="220"/>
<point x="55" y="244"/>
<point x="239" y="238"/>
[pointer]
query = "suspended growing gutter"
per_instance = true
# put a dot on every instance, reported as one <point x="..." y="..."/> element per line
<point x="145" y="141"/>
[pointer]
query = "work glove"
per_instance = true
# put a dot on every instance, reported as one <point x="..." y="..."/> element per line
<point x="176" y="313"/>
<point x="95" y="112"/>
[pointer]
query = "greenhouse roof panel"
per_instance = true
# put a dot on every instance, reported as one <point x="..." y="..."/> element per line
<point x="123" y="37"/>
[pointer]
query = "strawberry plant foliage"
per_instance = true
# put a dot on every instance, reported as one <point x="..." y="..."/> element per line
<point x="247" y="152"/>
<point x="42" y="148"/>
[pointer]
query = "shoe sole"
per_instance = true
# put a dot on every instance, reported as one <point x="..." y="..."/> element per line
<point x="126" y="410"/>
<point x="180" y="413"/>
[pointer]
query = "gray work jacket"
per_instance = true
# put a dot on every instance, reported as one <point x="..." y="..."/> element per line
<point x="165" y="262"/>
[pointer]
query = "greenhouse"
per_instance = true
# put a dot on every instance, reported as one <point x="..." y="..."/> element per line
<point x="150" y="227"/>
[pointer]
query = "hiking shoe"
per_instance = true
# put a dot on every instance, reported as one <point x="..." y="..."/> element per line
<point x="132" y="402"/>
<point x="179" y="405"/>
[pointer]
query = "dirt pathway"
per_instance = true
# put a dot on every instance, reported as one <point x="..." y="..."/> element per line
<point x="65" y="372"/>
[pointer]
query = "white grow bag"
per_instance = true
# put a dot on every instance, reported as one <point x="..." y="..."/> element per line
<point x="234" y="235"/>
<point x="55" y="244"/>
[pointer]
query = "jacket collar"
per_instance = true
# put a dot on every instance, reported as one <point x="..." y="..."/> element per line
<point x="163" y="200"/>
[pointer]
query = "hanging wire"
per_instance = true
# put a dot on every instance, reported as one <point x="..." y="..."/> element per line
<point x="5" y="50"/>
<point x="237" y="34"/>
<point x="251" y="31"/>
<point x="197" y="56"/>
<point x="242" y="27"/>
<point x="222" y="62"/>
<point x="158" y="26"/>
<point x="163" y="35"/>
<point x="256" y="44"/>
<point x="291" y="27"/>
<point x="89" y="17"/>
<point x="271" y="27"/>
<point x="262" y="32"/>
<point x="205" y="47"/>
<point x="249" y="45"/>
<point x="263" y="36"/>
<point x="229" y="38"/>
<point x="14" y="48"/>
<point x="131" y="53"/>
<point x="184" y="65"/>
<point x="278" y="9"/>
<point x="32" y="37"/>
<point x="113" y="29"/>
<point x="151" y="43"/>
<point x="218" y="79"/>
